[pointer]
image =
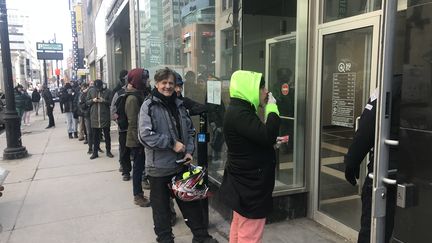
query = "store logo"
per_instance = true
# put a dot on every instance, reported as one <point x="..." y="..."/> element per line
<point x="344" y="67"/>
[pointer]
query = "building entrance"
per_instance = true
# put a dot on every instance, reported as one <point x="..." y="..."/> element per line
<point x="347" y="71"/>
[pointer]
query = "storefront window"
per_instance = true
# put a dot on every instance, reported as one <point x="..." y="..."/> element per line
<point x="339" y="9"/>
<point x="270" y="44"/>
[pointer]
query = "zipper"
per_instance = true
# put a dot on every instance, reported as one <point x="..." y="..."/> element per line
<point x="98" y="109"/>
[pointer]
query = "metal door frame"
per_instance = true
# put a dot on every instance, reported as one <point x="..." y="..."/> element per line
<point x="282" y="38"/>
<point x="371" y="19"/>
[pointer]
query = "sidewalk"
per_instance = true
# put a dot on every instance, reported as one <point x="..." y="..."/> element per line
<point x="58" y="194"/>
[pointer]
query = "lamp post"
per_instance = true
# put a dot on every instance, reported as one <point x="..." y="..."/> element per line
<point x="14" y="149"/>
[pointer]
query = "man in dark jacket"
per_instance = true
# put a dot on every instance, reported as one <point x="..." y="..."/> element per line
<point x="122" y="81"/>
<point x="99" y="100"/>
<point x="249" y="174"/>
<point x="124" y="152"/>
<point x="362" y="144"/>
<point x="194" y="108"/>
<point x="85" y="111"/>
<point x="35" y="100"/>
<point x="68" y="108"/>
<point x="49" y="103"/>
<point x="135" y="94"/>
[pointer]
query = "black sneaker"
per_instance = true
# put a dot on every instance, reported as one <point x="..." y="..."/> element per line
<point x="75" y="134"/>
<point x="94" y="156"/>
<point x="100" y="150"/>
<point x="90" y="151"/>
<point x="126" y="177"/>
<point x="70" y="136"/>
<point x="109" y="154"/>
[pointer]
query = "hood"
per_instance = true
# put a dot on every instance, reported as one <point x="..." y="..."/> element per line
<point x="245" y="86"/>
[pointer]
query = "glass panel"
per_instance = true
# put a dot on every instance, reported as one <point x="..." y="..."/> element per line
<point x="275" y="41"/>
<point x="281" y="68"/>
<point x="345" y="88"/>
<point x="339" y="9"/>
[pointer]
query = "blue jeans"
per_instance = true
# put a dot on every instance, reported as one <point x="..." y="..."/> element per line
<point x="138" y="169"/>
<point x="71" y="124"/>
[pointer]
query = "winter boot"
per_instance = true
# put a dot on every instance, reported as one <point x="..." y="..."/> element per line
<point x="141" y="201"/>
<point x="94" y="155"/>
<point x="70" y="135"/>
<point x="75" y="135"/>
<point x="109" y="154"/>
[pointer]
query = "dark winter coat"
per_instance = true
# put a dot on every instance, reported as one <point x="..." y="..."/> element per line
<point x="19" y="100"/>
<point x="133" y="103"/>
<point x="68" y="100"/>
<point x="82" y="105"/>
<point x="99" y="111"/>
<point x="36" y="96"/>
<point x="28" y="105"/>
<point x="249" y="174"/>
<point x="47" y="96"/>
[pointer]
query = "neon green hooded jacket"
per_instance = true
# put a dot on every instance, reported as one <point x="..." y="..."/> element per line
<point x="245" y="86"/>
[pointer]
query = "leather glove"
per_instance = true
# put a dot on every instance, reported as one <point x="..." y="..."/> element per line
<point x="352" y="173"/>
<point x="271" y="98"/>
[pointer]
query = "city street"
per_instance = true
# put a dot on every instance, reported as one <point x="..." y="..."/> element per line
<point x="58" y="194"/>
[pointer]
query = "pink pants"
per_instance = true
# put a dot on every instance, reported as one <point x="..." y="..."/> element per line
<point x="244" y="230"/>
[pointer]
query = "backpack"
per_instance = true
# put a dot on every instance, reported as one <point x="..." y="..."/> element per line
<point x="120" y="103"/>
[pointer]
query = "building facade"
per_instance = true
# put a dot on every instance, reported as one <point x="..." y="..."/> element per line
<point x="321" y="60"/>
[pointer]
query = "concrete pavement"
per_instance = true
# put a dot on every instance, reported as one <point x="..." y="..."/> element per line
<point x="58" y="194"/>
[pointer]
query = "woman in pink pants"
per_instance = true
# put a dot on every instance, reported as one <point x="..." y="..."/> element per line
<point x="249" y="174"/>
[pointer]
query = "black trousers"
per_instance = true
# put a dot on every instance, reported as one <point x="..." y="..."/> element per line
<point x="366" y="197"/>
<point x="97" y="136"/>
<point x="138" y="169"/>
<point x="125" y="153"/>
<point x="50" y="115"/>
<point x="160" y="202"/>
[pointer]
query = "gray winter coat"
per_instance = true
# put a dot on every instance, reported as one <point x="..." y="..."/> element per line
<point x="157" y="132"/>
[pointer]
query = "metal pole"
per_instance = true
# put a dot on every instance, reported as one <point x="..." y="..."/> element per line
<point x="379" y="193"/>
<point x="45" y="73"/>
<point x="236" y="36"/>
<point x="203" y="139"/>
<point x="14" y="149"/>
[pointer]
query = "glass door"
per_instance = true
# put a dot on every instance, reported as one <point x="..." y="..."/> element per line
<point x="281" y="79"/>
<point x="347" y="71"/>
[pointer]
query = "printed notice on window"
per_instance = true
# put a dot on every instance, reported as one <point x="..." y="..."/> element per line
<point x="343" y="99"/>
<point x="214" y="92"/>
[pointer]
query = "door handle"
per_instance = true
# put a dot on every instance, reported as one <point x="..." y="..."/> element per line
<point x="391" y="142"/>
<point x="386" y="180"/>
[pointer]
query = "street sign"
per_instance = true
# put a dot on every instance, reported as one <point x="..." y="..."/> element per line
<point x="50" y="55"/>
<point x="82" y="72"/>
<point x="40" y="46"/>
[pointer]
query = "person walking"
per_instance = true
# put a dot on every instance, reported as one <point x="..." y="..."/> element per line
<point x="167" y="132"/>
<point x="36" y="97"/>
<point x="99" y="100"/>
<point x="136" y="92"/>
<point x="28" y="107"/>
<point x="249" y="174"/>
<point x="49" y="103"/>
<point x="68" y="100"/>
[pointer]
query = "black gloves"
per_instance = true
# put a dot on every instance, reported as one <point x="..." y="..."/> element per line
<point x="352" y="172"/>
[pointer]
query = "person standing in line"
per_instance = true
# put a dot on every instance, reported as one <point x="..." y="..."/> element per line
<point x="99" y="100"/>
<point x="85" y="111"/>
<point x="124" y="152"/>
<point x="36" y="100"/>
<point x="28" y="107"/>
<point x="49" y="103"/>
<point x="19" y="100"/>
<point x="249" y="174"/>
<point x="136" y="91"/>
<point x="68" y="99"/>
<point x="166" y="131"/>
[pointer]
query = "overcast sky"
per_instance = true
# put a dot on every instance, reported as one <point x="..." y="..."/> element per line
<point x="46" y="18"/>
